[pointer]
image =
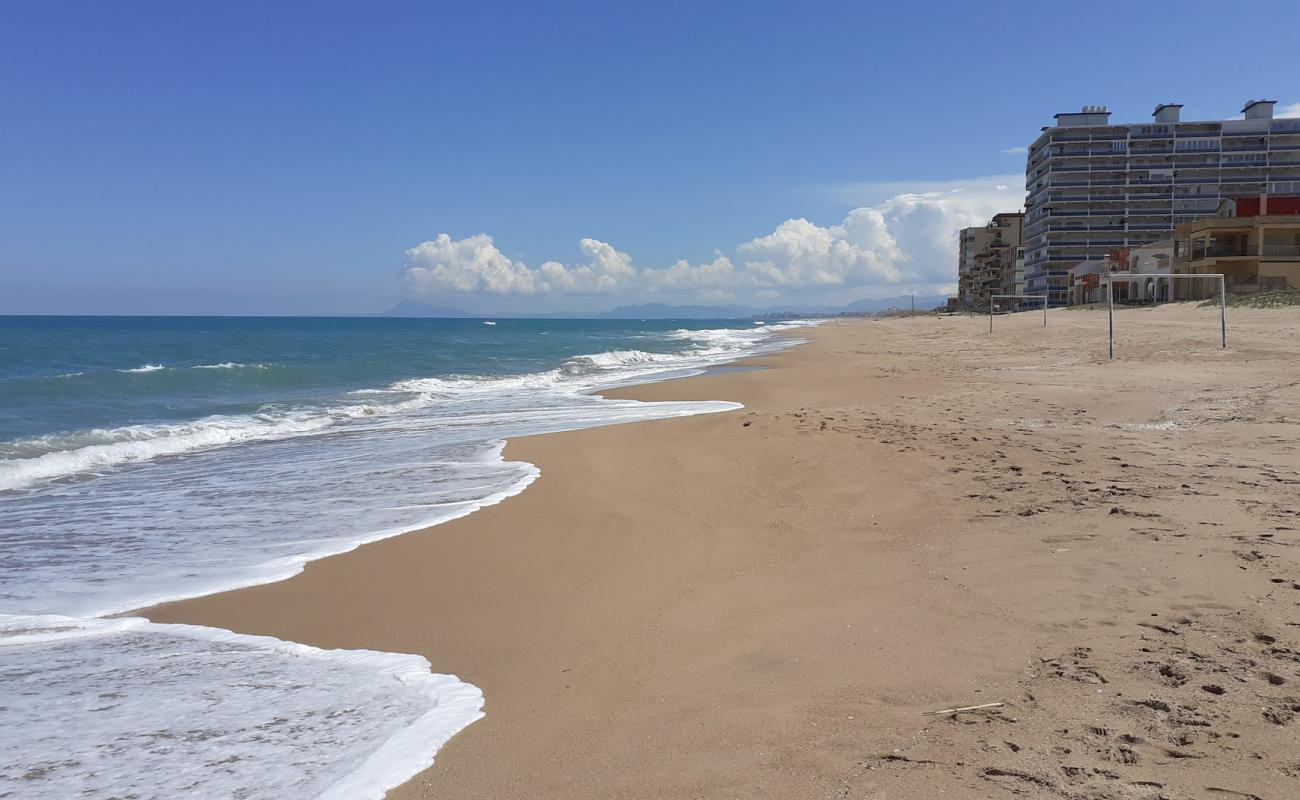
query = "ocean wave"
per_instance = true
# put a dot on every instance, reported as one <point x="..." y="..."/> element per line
<point x="231" y="365"/>
<point x="145" y="368"/>
<point x="57" y="456"/>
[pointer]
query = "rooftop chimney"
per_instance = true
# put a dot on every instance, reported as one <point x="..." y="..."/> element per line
<point x="1259" y="109"/>
<point x="1167" y="112"/>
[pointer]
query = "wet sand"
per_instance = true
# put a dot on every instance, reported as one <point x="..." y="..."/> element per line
<point x="909" y="515"/>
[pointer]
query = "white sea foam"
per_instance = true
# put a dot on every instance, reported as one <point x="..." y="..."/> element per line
<point x="63" y="455"/>
<point x="144" y="368"/>
<point x="224" y="718"/>
<point x="231" y="365"/>
<point x="249" y="499"/>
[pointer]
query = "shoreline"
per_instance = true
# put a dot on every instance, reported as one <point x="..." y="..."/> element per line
<point x="736" y="365"/>
<point x="765" y="602"/>
<point x="157" y="613"/>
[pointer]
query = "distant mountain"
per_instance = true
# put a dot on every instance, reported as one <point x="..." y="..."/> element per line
<point x="924" y="302"/>
<point x="416" y="308"/>
<point x="665" y="311"/>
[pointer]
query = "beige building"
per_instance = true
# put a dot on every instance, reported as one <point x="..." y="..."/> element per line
<point x="991" y="260"/>
<point x="1258" y="251"/>
<point x="973" y="242"/>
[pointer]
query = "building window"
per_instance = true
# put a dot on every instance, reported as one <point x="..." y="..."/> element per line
<point x="1196" y="144"/>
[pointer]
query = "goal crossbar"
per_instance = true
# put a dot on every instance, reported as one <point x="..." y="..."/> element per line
<point x="1110" y="278"/>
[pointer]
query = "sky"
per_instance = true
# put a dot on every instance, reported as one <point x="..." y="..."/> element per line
<point x="336" y="158"/>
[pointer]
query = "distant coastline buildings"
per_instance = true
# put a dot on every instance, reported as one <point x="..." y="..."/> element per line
<point x="1095" y="189"/>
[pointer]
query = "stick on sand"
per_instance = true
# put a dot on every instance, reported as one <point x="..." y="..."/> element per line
<point x="963" y="708"/>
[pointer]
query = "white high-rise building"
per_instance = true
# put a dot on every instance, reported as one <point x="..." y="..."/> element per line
<point x="1094" y="187"/>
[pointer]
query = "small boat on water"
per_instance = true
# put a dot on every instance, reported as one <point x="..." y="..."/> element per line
<point x="488" y="322"/>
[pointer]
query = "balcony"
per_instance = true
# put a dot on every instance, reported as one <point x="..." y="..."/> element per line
<point x="1282" y="250"/>
<point x="1227" y="250"/>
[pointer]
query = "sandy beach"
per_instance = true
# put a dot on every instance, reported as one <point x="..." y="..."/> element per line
<point x="909" y="515"/>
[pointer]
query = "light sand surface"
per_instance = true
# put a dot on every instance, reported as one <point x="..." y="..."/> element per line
<point x="909" y="515"/>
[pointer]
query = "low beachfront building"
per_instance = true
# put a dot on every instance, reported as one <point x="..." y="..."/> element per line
<point x="1254" y="245"/>
<point x="1085" y="283"/>
<point x="1135" y="272"/>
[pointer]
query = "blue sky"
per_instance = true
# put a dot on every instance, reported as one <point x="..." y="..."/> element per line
<point x="325" y="158"/>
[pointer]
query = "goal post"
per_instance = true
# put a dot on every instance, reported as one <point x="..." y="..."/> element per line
<point x="993" y="305"/>
<point x="1109" y="279"/>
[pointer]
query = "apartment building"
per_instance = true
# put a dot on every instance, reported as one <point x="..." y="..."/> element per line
<point x="1094" y="186"/>
<point x="973" y="241"/>
<point x="991" y="260"/>
<point x="998" y="260"/>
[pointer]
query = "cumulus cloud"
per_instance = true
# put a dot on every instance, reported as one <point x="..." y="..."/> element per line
<point x="1292" y="110"/>
<point x="474" y="264"/>
<point x="798" y="253"/>
<point x="904" y="239"/>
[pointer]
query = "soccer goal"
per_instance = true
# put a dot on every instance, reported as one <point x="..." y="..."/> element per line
<point x="1109" y="280"/>
<point x="993" y="304"/>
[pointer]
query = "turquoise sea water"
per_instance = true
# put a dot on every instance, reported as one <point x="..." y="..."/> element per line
<point x="148" y="459"/>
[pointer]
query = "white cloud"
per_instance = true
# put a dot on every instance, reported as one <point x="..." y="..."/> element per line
<point x="1292" y="110"/>
<point x="798" y="253"/>
<point x="474" y="264"/>
<point x="1016" y="151"/>
<point x="908" y="238"/>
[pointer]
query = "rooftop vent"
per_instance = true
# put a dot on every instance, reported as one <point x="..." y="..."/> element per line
<point x="1167" y="112"/>
<point x="1258" y="109"/>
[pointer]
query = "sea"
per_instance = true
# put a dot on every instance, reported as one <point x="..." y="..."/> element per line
<point x="145" y="460"/>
